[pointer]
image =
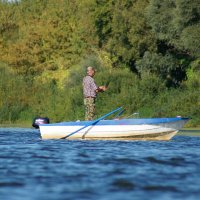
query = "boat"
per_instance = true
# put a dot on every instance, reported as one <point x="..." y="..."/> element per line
<point x="115" y="129"/>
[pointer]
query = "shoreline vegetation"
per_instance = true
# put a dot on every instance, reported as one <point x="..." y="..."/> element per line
<point x="148" y="52"/>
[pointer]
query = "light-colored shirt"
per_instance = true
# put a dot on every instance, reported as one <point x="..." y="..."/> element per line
<point x="89" y="87"/>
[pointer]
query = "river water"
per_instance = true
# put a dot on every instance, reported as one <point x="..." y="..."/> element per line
<point x="35" y="169"/>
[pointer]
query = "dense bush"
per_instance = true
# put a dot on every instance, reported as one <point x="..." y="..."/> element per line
<point x="147" y="51"/>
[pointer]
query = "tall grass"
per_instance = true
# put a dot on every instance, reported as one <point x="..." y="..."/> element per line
<point x="22" y="99"/>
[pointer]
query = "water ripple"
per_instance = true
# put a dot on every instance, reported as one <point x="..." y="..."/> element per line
<point x="31" y="168"/>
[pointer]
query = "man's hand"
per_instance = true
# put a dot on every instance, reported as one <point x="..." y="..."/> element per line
<point x="102" y="88"/>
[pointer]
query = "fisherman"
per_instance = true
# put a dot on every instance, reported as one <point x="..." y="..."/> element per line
<point x="90" y="90"/>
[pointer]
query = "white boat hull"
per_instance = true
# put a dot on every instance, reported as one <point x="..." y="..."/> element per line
<point x="109" y="132"/>
<point x="114" y="130"/>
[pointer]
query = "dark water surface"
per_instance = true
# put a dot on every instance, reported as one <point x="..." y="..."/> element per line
<point x="31" y="168"/>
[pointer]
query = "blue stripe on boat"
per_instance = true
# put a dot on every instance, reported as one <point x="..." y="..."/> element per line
<point x="119" y="122"/>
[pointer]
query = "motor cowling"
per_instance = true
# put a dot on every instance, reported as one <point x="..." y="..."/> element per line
<point x="40" y="120"/>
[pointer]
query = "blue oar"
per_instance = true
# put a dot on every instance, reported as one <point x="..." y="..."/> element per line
<point x="93" y="122"/>
<point x="120" y="113"/>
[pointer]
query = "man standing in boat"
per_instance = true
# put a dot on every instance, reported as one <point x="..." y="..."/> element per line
<point x="90" y="90"/>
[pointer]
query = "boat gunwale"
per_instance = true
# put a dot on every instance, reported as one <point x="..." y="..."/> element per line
<point x="131" y="121"/>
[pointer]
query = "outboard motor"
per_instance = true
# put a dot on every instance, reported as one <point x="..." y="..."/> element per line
<point x="40" y="120"/>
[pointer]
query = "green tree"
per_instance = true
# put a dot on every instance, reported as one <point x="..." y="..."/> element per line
<point x="176" y="23"/>
<point x="48" y="37"/>
<point x="131" y="36"/>
<point x="169" y="68"/>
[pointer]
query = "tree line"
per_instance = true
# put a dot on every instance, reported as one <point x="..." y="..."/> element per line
<point x="148" y="51"/>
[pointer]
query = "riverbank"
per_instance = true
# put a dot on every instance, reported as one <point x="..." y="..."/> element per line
<point x="189" y="132"/>
<point x="17" y="125"/>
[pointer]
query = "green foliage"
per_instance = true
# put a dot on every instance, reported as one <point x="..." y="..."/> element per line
<point x="47" y="32"/>
<point x="8" y="25"/>
<point x="131" y="36"/>
<point x="176" y="23"/>
<point x="169" y="68"/>
<point x="190" y="39"/>
<point x="179" y="102"/>
<point x="148" y="51"/>
<point x="13" y="99"/>
<point x="176" y="27"/>
<point x="193" y="74"/>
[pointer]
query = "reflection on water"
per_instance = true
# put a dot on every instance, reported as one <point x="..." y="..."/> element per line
<point x="31" y="168"/>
